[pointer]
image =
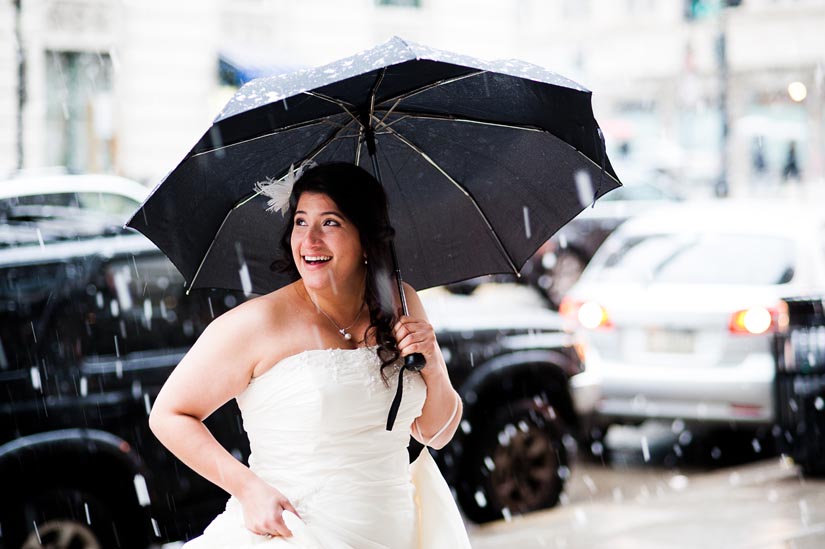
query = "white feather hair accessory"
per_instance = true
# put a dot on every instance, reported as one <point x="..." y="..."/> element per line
<point x="279" y="190"/>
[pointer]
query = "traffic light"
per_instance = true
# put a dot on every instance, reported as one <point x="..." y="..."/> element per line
<point x="699" y="9"/>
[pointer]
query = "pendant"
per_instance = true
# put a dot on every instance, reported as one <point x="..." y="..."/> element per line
<point x="346" y="334"/>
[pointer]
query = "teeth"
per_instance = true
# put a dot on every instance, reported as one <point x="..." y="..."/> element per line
<point x="317" y="258"/>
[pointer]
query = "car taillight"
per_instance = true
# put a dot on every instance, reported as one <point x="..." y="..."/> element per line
<point x="756" y="321"/>
<point x="568" y="307"/>
<point x="586" y="314"/>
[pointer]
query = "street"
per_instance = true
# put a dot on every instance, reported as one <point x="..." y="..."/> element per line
<point x="763" y="504"/>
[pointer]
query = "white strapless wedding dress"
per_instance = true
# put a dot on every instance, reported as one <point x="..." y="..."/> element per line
<point x="316" y="423"/>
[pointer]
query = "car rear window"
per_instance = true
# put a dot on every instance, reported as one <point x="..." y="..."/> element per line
<point x="636" y="192"/>
<point x="100" y="202"/>
<point x="698" y="259"/>
<point x="46" y="218"/>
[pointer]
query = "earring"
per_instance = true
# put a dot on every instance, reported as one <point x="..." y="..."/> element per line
<point x="365" y="261"/>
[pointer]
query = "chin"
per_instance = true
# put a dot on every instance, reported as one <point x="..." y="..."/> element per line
<point x="316" y="280"/>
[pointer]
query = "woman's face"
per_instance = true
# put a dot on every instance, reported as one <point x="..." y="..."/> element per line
<point x="326" y="246"/>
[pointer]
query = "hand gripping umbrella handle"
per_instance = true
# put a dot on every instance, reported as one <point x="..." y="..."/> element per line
<point x="414" y="362"/>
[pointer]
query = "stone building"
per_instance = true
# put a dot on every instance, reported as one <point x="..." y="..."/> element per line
<point x="126" y="86"/>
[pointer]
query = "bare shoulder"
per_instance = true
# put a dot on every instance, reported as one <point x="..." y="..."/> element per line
<point x="273" y="326"/>
<point x="259" y="312"/>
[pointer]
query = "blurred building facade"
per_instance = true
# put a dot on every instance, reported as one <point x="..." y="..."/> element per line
<point x="110" y="86"/>
<point x="127" y="86"/>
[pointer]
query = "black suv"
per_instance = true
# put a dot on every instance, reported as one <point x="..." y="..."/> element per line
<point x="93" y="321"/>
<point x="799" y="385"/>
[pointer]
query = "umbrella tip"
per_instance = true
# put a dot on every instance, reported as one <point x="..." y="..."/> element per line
<point x="397" y="38"/>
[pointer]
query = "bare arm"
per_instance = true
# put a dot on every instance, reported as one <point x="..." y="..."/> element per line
<point x="415" y="335"/>
<point x="217" y="368"/>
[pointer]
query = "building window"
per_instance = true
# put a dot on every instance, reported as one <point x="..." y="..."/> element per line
<point x="576" y="9"/>
<point x="402" y="3"/>
<point x="79" y="111"/>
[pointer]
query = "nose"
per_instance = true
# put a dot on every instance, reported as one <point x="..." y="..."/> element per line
<point x="313" y="233"/>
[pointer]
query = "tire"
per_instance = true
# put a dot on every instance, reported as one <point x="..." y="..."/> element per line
<point x="71" y="518"/>
<point x="813" y="469"/>
<point x="516" y="465"/>
<point x="812" y="462"/>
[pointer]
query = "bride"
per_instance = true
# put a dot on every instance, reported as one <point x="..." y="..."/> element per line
<point x="313" y="366"/>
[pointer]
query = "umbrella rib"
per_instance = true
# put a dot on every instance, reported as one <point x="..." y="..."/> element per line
<point x="347" y="107"/>
<point x="308" y="157"/>
<point x="428" y="87"/>
<point x="403" y="115"/>
<point x="358" y="146"/>
<point x="211" y="244"/>
<point x="243" y="201"/>
<point x="375" y="90"/>
<point x="467" y="193"/>
<point x="270" y="134"/>
<point x="339" y="102"/>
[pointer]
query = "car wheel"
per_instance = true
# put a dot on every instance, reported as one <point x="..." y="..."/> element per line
<point x="62" y="534"/>
<point x="813" y="469"/>
<point x="565" y="273"/>
<point x="71" y="518"/>
<point x="518" y="465"/>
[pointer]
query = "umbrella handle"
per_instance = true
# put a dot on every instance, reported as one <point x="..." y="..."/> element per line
<point x="414" y="362"/>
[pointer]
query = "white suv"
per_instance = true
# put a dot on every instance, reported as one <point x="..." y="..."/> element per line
<point x="677" y="310"/>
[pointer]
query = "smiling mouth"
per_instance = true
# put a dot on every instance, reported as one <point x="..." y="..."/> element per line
<point x="316" y="259"/>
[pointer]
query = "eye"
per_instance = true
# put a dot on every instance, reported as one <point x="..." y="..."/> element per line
<point x="331" y="223"/>
<point x="299" y="221"/>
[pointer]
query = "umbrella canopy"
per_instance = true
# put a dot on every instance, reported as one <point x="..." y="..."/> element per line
<point x="481" y="161"/>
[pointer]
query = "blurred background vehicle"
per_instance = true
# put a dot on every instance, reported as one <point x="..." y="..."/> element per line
<point x="677" y="311"/>
<point x="558" y="264"/>
<point x="515" y="369"/>
<point x="800" y="383"/>
<point x="49" y="207"/>
<point x="92" y="320"/>
<point x="86" y="192"/>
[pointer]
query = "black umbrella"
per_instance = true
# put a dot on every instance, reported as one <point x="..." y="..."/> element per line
<point x="481" y="161"/>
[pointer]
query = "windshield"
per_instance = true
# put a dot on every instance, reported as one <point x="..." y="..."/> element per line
<point x="697" y="259"/>
<point x="636" y="192"/>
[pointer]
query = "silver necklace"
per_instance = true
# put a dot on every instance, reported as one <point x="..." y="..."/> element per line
<point x="343" y="331"/>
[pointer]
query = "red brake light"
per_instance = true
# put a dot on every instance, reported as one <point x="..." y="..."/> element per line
<point x="754" y="321"/>
<point x="568" y="307"/>
<point x="586" y="314"/>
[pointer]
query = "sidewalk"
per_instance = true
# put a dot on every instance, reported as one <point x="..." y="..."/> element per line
<point x="765" y="505"/>
<point x="811" y="191"/>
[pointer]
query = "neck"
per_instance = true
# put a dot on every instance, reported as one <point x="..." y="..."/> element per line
<point x="342" y="303"/>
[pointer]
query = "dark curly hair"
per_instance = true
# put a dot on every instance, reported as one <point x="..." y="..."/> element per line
<point x="362" y="200"/>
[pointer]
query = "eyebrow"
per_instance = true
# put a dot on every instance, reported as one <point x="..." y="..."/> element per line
<point x="331" y="212"/>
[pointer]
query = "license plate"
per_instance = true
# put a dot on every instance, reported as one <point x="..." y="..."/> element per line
<point x="670" y="341"/>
